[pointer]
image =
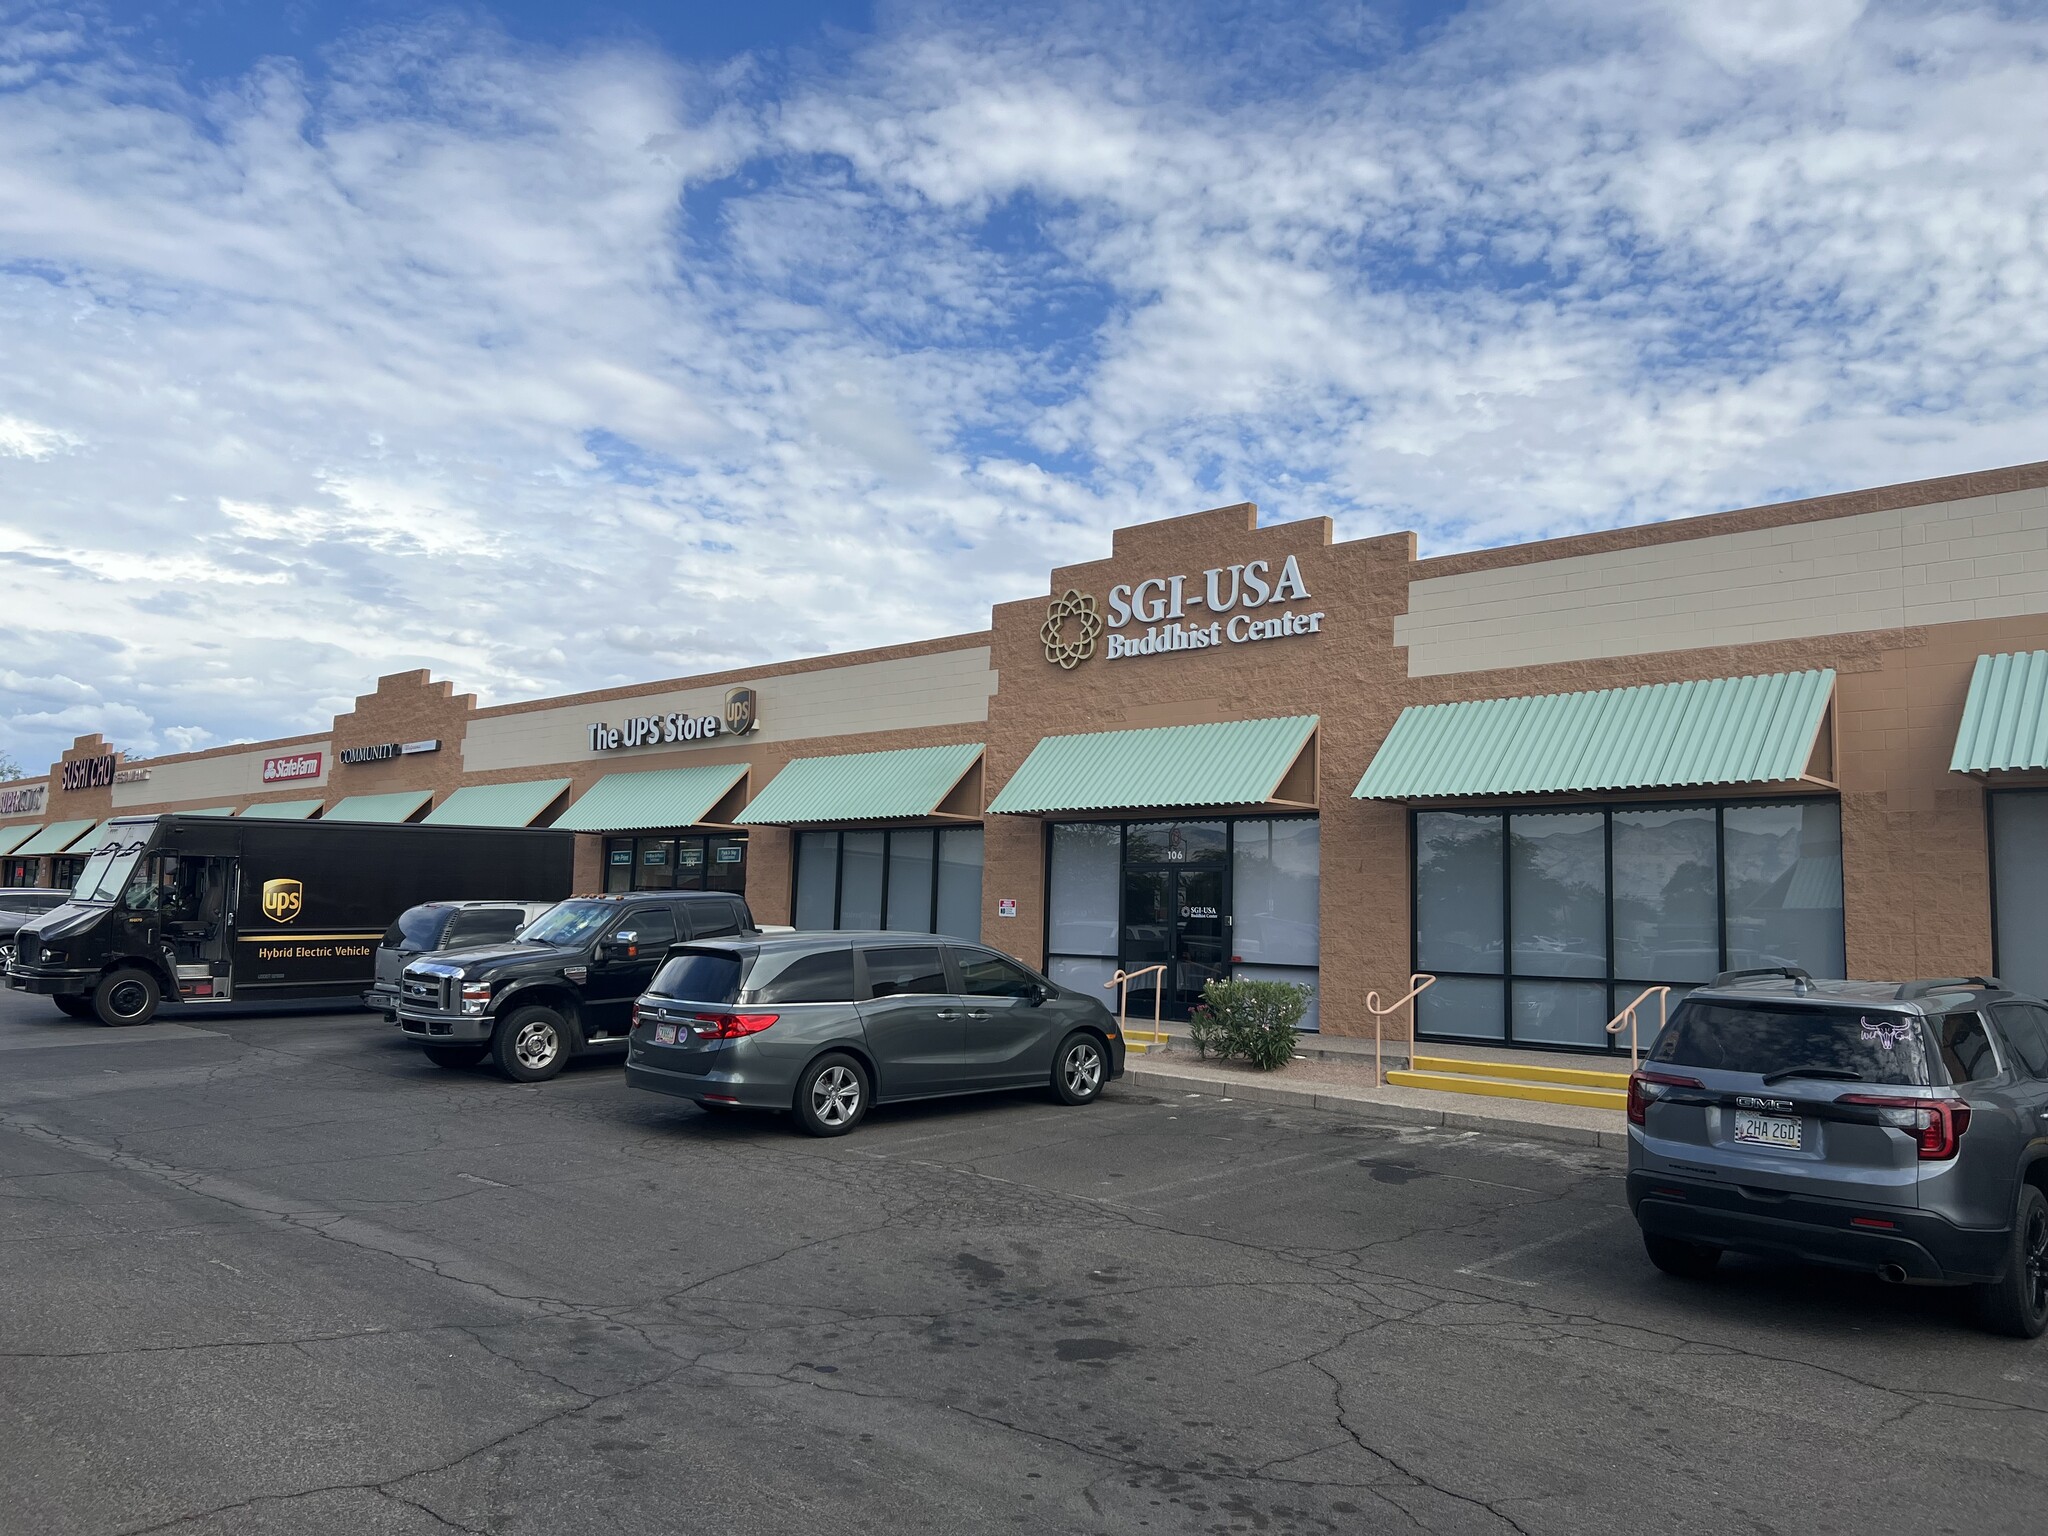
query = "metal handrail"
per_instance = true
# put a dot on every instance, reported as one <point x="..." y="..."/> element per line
<point x="1418" y="983"/>
<point x="1628" y="1016"/>
<point x="1124" y="979"/>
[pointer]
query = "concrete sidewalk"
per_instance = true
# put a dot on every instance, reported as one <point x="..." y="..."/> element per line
<point x="1338" y="1077"/>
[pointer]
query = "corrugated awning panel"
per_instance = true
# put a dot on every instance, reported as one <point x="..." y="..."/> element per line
<point x="862" y="786"/>
<point x="1727" y="730"/>
<point x="1234" y="762"/>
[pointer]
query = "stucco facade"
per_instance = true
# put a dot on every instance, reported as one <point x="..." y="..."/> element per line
<point x="1898" y="590"/>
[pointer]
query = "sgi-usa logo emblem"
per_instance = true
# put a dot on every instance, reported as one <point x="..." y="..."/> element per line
<point x="283" y="900"/>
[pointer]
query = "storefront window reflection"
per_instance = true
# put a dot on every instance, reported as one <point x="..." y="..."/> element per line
<point x="664" y="861"/>
<point x="1579" y="910"/>
<point x="912" y="879"/>
<point x="1205" y="899"/>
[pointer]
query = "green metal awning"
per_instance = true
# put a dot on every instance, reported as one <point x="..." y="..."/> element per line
<point x="2005" y="717"/>
<point x="863" y="786"/>
<point x="1724" y="730"/>
<point x="12" y="837"/>
<point x="282" y="810"/>
<point x="1233" y="762"/>
<point x="56" y="837"/>
<point x="656" y="798"/>
<point x="390" y="809"/>
<point x="91" y="840"/>
<point x="210" y="810"/>
<point x="497" y="805"/>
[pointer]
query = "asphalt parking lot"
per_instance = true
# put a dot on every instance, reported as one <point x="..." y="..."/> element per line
<point x="280" y="1275"/>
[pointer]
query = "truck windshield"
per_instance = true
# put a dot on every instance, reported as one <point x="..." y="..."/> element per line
<point x="569" y="922"/>
<point x="106" y="872"/>
<point x="1869" y="1046"/>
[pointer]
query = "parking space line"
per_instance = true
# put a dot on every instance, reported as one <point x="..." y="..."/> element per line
<point x="1479" y="1271"/>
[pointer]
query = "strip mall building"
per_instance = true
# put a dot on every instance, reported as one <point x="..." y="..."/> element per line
<point x="1550" y="775"/>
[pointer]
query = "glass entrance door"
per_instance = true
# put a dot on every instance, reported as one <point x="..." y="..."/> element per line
<point x="1175" y="916"/>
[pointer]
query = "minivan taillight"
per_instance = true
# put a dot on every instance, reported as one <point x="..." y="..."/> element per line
<point x="1645" y="1085"/>
<point x="1937" y="1124"/>
<point x="730" y="1026"/>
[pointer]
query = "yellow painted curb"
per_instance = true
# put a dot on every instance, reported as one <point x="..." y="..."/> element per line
<point x="1520" y="1072"/>
<point x="1540" y="1093"/>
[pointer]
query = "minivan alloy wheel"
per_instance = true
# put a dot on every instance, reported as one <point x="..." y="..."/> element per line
<point x="835" y="1096"/>
<point x="1082" y="1069"/>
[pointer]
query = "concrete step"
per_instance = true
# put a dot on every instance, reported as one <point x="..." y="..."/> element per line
<point x="1524" y="1072"/>
<point x="1538" y="1091"/>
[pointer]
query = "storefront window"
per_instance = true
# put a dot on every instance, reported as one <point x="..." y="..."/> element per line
<point x="2019" y="888"/>
<point x="1667" y="895"/>
<point x="911" y="879"/>
<point x="1578" y="910"/>
<point x="679" y="861"/>
<point x="1205" y="899"/>
<point x="18" y="872"/>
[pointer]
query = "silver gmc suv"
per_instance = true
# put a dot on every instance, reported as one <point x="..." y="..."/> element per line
<point x="1895" y="1128"/>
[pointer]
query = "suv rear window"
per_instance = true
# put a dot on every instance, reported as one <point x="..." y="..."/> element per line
<point x="699" y="976"/>
<point x="1763" y="1038"/>
<point x="418" y="928"/>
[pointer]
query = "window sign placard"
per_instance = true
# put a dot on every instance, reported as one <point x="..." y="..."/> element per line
<point x="731" y="855"/>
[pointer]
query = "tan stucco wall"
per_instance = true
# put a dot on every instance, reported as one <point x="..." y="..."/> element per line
<point x="1757" y="590"/>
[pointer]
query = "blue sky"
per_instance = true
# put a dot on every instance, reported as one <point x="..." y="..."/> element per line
<point x="566" y="346"/>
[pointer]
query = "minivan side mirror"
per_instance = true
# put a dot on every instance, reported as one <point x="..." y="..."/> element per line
<point x="1040" y="994"/>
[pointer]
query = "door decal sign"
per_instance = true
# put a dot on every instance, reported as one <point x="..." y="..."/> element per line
<point x="1006" y="907"/>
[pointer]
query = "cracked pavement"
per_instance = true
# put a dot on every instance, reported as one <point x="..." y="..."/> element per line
<point x="277" y="1274"/>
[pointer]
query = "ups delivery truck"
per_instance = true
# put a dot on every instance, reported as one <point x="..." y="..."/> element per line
<point x="208" y="909"/>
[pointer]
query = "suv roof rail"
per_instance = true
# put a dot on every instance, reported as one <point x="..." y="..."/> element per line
<point x="1913" y="989"/>
<point x="1789" y="972"/>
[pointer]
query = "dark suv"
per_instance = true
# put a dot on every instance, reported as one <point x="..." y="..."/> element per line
<point x="564" y="986"/>
<point x="1896" y="1128"/>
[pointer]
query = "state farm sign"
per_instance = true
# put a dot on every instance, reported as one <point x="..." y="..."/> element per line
<point x="282" y="770"/>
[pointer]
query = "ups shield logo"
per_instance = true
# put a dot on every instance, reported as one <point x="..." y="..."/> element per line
<point x="741" y="708"/>
<point x="283" y="900"/>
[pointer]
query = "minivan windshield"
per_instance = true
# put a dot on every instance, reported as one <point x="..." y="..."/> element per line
<point x="1769" y="1040"/>
<point x="418" y="928"/>
<point x="699" y="976"/>
<point x="106" y="873"/>
<point x="569" y="923"/>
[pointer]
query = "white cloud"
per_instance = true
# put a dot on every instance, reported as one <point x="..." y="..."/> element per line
<point x="552" y="370"/>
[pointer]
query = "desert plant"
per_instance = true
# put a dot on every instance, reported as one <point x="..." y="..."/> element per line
<point x="1252" y="1019"/>
<point x="1208" y="1032"/>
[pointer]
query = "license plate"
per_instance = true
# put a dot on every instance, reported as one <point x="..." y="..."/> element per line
<point x="664" y="1034"/>
<point x="1768" y="1130"/>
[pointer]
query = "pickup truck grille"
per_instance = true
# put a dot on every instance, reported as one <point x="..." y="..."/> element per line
<point x="427" y="991"/>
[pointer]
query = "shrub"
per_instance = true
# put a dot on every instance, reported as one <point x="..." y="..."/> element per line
<point x="1252" y="1019"/>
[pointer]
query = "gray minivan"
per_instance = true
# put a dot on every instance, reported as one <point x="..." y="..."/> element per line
<point x="824" y="1024"/>
<point x="1896" y="1128"/>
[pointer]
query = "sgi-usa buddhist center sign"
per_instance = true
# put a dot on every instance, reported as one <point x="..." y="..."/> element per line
<point x="1235" y="594"/>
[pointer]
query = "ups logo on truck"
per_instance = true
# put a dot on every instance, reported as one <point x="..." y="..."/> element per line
<point x="283" y="900"/>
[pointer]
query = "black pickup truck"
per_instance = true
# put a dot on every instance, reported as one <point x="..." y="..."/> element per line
<point x="566" y="985"/>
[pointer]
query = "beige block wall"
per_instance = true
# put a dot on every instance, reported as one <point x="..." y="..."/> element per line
<point x="215" y="780"/>
<point x="1947" y="562"/>
<point x="907" y="693"/>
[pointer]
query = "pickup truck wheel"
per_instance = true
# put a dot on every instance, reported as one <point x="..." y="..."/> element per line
<point x="2017" y="1305"/>
<point x="531" y="1045"/>
<point x="73" y="1007"/>
<point x="457" y="1055"/>
<point x="127" y="996"/>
